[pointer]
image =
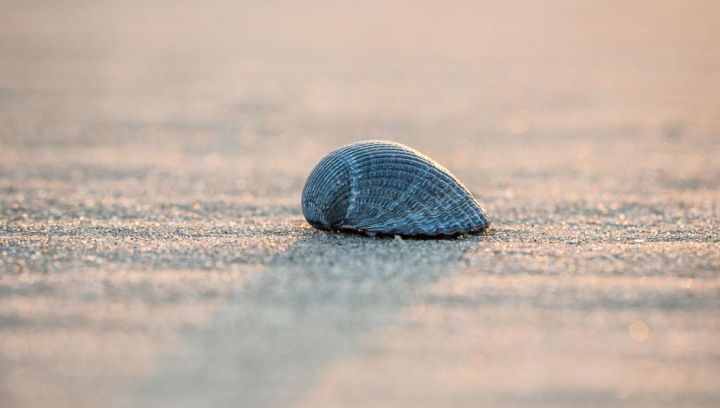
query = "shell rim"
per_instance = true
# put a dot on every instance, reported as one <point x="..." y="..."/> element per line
<point x="486" y="231"/>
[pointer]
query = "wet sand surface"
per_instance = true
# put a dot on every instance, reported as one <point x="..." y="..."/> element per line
<point x="153" y="252"/>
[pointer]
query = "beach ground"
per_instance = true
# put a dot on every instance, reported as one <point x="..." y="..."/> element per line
<point x="153" y="252"/>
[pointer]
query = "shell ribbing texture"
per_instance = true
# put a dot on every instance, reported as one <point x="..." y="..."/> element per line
<point x="387" y="188"/>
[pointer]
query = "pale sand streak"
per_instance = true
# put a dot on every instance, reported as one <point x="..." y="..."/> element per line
<point x="264" y="347"/>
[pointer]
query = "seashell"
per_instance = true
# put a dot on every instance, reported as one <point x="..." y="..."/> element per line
<point x="386" y="188"/>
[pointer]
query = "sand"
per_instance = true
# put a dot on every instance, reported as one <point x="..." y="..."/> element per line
<point x="153" y="252"/>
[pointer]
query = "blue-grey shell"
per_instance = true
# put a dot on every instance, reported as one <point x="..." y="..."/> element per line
<point x="380" y="187"/>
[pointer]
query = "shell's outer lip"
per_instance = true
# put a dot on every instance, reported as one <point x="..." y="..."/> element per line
<point x="445" y="235"/>
<point x="450" y="233"/>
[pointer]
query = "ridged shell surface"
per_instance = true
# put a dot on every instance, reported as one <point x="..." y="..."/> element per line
<point x="380" y="187"/>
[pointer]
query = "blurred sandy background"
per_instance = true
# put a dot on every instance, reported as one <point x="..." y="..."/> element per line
<point x="153" y="253"/>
